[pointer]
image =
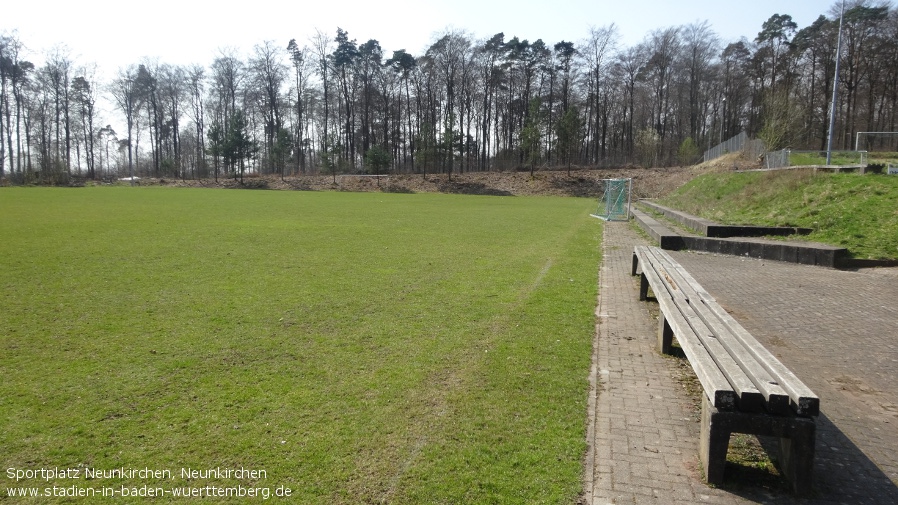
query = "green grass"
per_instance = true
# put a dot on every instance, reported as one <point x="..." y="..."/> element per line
<point x="357" y="347"/>
<point x="801" y="158"/>
<point x="859" y="212"/>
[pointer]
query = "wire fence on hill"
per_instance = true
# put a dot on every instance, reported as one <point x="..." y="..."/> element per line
<point x="740" y="143"/>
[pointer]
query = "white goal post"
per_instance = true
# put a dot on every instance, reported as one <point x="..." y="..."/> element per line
<point x="857" y="138"/>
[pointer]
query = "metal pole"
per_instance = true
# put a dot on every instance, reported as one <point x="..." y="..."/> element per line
<point x="832" y="112"/>
<point x="723" y="115"/>
<point x="629" y="196"/>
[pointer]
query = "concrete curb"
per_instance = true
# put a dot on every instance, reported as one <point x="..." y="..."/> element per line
<point x="805" y="253"/>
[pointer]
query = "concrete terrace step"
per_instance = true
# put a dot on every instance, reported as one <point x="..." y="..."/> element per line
<point x="806" y="253"/>
<point x="661" y="234"/>
<point x="709" y="228"/>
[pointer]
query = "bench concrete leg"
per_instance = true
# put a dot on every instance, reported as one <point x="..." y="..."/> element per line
<point x="796" y="436"/>
<point x="643" y="287"/>
<point x="635" y="264"/>
<point x="797" y="457"/>
<point x="714" y="443"/>
<point x="665" y="335"/>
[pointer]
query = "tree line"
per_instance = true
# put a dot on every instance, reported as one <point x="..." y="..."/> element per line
<point x="331" y="104"/>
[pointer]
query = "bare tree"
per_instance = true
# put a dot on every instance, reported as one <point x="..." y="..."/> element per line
<point x="13" y="74"/>
<point x="663" y="47"/>
<point x="370" y="62"/>
<point x="492" y="73"/>
<point x="700" y="49"/>
<point x="446" y="57"/>
<point x="268" y="76"/>
<point x="627" y="69"/>
<point x="862" y="24"/>
<point x="173" y="85"/>
<point x="321" y="44"/>
<point x="595" y="53"/>
<point x="343" y="60"/>
<point x="57" y="76"/>
<point x="125" y="91"/>
<point x="195" y="79"/>
<point x="85" y="100"/>
<point x="301" y="58"/>
<point x="227" y="82"/>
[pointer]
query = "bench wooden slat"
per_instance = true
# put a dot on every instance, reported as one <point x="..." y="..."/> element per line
<point x="749" y="397"/>
<point x="776" y="398"/>
<point x="802" y="400"/>
<point x="715" y="385"/>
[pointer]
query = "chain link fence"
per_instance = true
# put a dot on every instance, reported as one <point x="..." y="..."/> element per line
<point x="740" y="143"/>
<point x="777" y="159"/>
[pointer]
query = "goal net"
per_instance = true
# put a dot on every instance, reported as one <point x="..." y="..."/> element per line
<point x="615" y="202"/>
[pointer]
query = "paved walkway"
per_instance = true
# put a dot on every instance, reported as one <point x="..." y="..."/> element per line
<point x="838" y="331"/>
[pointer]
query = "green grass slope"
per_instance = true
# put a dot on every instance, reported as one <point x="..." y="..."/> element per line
<point x="859" y="212"/>
<point x="841" y="158"/>
<point x="359" y="348"/>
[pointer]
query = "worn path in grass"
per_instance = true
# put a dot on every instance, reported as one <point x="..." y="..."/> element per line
<point x="835" y="329"/>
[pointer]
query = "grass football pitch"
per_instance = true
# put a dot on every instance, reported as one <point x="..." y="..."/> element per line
<point x="336" y="347"/>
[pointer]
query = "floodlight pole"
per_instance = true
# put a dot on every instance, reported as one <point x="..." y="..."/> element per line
<point x="723" y="115"/>
<point x="832" y="112"/>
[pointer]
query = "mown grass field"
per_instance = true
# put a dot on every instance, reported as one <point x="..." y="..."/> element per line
<point x="859" y="212"/>
<point x="357" y="347"/>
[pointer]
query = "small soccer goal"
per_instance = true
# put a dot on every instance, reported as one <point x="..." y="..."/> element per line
<point x="615" y="202"/>
<point x="876" y="141"/>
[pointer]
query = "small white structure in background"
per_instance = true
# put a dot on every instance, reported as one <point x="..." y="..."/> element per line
<point x="132" y="179"/>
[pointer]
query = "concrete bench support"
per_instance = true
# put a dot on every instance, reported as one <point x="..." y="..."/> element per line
<point x="796" y="436"/>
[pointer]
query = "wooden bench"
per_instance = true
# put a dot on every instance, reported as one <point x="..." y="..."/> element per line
<point x="746" y="388"/>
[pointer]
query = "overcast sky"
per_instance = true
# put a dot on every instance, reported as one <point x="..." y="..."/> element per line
<point x="113" y="34"/>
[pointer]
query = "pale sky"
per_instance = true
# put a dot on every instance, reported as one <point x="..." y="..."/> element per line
<point x="114" y="34"/>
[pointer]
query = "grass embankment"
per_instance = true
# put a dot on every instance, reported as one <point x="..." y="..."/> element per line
<point x="858" y="212"/>
<point x="357" y="347"/>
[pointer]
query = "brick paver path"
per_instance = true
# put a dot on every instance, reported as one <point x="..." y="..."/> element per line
<point x="838" y="331"/>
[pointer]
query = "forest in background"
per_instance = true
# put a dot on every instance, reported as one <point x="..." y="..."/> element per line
<point x="331" y="104"/>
